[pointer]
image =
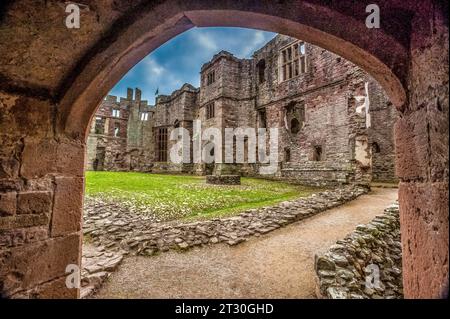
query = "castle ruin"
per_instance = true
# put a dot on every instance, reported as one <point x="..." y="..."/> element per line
<point x="335" y="122"/>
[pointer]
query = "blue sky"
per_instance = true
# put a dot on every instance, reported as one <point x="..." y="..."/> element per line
<point x="179" y="60"/>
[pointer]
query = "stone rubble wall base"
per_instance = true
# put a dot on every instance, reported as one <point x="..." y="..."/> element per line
<point x="114" y="231"/>
<point x="373" y="251"/>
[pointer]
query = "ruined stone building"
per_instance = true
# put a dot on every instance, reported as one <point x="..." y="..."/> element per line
<point x="335" y="122"/>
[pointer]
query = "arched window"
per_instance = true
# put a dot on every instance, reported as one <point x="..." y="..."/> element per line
<point x="295" y="126"/>
<point x="261" y="68"/>
<point x="375" y="147"/>
<point x="287" y="155"/>
<point x="317" y="153"/>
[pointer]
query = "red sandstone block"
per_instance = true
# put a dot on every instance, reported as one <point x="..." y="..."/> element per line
<point x="22" y="236"/>
<point x="412" y="146"/>
<point x="71" y="158"/>
<point x="9" y="167"/>
<point x="55" y="289"/>
<point x="28" y="266"/>
<point x="68" y="206"/>
<point x="425" y="235"/>
<point x="38" y="158"/>
<point x="19" y="221"/>
<point x="34" y="202"/>
<point x="8" y="204"/>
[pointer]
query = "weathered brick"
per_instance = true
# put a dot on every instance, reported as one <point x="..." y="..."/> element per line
<point x="34" y="202"/>
<point x="68" y="206"/>
<point x="425" y="237"/>
<point x="28" y="266"/>
<point x="18" y="221"/>
<point x="22" y="236"/>
<point x="38" y="158"/>
<point x="8" y="203"/>
<point x="412" y="149"/>
<point x="70" y="158"/>
<point x="55" y="289"/>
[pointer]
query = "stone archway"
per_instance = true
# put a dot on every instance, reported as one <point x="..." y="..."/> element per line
<point x="48" y="99"/>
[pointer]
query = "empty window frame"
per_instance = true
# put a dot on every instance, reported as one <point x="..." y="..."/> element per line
<point x="317" y="153"/>
<point x="161" y="140"/>
<point x="144" y="116"/>
<point x="115" y="112"/>
<point x="261" y="69"/>
<point x="262" y="119"/>
<point x="116" y="129"/>
<point x="376" y="147"/>
<point x="292" y="61"/>
<point x="210" y="110"/>
<point x="99" y="125"/>
<point x="211" y="78"/>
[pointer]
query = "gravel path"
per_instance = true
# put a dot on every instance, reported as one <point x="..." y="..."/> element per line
<point x="279" y="264"/>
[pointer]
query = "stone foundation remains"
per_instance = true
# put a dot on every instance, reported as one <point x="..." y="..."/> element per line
<point x="223" y="179"/>
<point x="113" y="231"/>
<point x="372" y="252"/>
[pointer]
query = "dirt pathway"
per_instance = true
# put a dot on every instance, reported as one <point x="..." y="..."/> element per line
<point x="279" y="264"/>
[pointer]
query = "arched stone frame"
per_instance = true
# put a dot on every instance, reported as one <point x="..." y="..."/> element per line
<point x="394" y="59"/>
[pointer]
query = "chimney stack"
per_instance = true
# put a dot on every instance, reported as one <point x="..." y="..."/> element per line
<point x="137" y="95"/>
<point x="129" y="94"/>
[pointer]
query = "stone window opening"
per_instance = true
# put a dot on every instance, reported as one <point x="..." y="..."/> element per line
<point x="295" y="126"/>
<point x="116" y="129"/>
<point x="262" y="119"/>
<point x="294" y="116"/>
<point x="176" y="124"/>
<point x="376" y="147"/>
<point x="287" y="155"/>
<point x="144" y="116"/>
<point x="317" y="153"/>
<point x="210" y="110"/>
<point x="161" y="144"/>
<point x="261" y="67"/>
<point x="292" y="61"/>
<point x="116" y="113"/>
<point x="99" y="125"/>
<point x="211" y="78"/>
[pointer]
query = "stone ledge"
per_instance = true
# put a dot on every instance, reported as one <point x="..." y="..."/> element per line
<point x="115" y="228"/>
<point x="342" y="271"/>
<point x="223" y="179"/>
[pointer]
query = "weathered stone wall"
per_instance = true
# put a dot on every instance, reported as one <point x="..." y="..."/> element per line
<point x="334" y="121"/>
<point x="52" y="78"/>
<point x="421" y="140"/>
<point x="41" y="198"/>
<point x="371" y="254"/>
<point x="381" y="135"/>
<point x="106" y="151"/>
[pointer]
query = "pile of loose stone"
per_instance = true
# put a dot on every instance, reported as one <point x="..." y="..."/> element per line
<point x="113" y="229"/>
<point x="97" y="264"/>
<point x="366" y="264"/>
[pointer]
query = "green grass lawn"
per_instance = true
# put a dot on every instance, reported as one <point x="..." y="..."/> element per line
<point x="179" y="196"/>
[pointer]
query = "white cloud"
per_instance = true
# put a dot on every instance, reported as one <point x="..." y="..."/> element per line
<point x="154" y="68"/>
<point x="206" y="41"/>
<point x="257" y="41"/>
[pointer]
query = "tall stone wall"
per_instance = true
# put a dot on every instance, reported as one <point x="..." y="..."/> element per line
<point x="338" y="141"/>
<point x="381" y="135"/>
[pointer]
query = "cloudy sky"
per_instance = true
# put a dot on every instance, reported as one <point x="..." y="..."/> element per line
<point x="179" y="60"/>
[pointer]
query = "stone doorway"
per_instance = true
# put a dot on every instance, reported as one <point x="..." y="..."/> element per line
<point x="99" y="161"/>
<point x="48" y="102"/>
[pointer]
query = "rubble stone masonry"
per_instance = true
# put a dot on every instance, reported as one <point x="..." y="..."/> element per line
<point x="334" y="140"/>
